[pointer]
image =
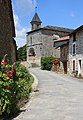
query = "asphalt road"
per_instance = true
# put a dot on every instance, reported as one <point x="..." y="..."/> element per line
<point x="60" y="97"/>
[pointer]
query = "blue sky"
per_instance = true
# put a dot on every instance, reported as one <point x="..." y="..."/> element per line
<point x="62" y="13"/>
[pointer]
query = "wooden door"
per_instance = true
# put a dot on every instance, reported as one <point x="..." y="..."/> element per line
<point x="65" y="67"/>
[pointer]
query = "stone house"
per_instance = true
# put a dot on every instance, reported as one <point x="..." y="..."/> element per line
<point x="76" y="52"/>
<point x="40" y="40"/>
<point x="63" y="45"/>
<point x="7" y="31"/>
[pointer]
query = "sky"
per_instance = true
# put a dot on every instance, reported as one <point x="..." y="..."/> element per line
<point x="61" y="13"/>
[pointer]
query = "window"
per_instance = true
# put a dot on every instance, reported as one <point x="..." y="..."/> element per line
<point x="31" y="40"/>
<point x="80" y="64"/>
<point x="37" y="26"/>
<point x="74" y="37"/>
<point x="74" y="49"/>
<point x="32" y="26"/>
<point x="73" y="65"/>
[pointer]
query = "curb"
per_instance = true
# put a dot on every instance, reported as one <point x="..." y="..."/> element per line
<point x="33" y="92"/>
<point x="35" y="83"/>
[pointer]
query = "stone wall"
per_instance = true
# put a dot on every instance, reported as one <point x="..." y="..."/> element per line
<point x="42" y="43"/>
<point x="6" y="34"/>
<point x="79" y="53"/>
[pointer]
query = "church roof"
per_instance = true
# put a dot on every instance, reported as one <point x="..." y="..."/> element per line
<point x="55" y="28"/>
<point x="36" y="18"/>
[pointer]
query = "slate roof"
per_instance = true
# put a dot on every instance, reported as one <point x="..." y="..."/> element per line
<point x="55" y="28"/>
<point x="77" y="29"/>
<point x="36" y="18"/>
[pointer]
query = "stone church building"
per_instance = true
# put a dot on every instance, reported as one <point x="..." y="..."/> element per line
<point x="40" y="40"/>
<point x="7" y="31"/>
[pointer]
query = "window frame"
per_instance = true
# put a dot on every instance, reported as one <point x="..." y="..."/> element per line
<point x="31" y="40"/>
<point x="74" y="49"/>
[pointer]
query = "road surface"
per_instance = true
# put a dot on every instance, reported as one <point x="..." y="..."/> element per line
<point x="60" y="97"/>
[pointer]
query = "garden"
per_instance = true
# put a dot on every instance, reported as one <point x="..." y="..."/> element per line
<point x="15" y="85"/>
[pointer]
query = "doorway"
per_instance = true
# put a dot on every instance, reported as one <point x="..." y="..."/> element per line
<point x="65" y="67"/>
<point x="79" y="67"/>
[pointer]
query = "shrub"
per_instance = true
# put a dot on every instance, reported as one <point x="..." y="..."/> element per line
<point x="46" y="62"/>
<point x="15" y="82"/>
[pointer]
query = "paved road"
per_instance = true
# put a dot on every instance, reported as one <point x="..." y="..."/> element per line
<point x="60" y="98"/>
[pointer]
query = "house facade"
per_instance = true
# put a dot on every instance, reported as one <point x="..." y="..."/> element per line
<point x="75" y="66"/>
<point x="7" y="31"/>
<point x="40" y="40"/>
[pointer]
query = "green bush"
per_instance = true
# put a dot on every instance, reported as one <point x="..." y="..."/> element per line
<point x="15" y="83"/>
<point x="46" y="62"/>
<point x="24" y="80"/>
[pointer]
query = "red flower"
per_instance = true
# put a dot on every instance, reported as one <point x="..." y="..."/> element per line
<point x="55" y="61"/>
<point x="10" y="73"/>
<point x="3" y="62"/>
<point x="7" y="87"/>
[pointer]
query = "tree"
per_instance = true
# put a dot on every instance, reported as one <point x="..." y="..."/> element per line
<point x="22" y="53"/>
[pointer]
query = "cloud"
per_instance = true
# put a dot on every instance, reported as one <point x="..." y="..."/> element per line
<point x="72" y="14"/>
<point x="25" y="7"/>
<point x="22" y="8"/>
<point x="20" y="32"/>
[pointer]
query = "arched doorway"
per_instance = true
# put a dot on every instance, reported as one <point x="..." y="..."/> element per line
<point x="31" y="55"/>
<point x="31" y="52"/>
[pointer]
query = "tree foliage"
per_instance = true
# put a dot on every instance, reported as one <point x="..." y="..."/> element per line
<point x="22" y="53"/>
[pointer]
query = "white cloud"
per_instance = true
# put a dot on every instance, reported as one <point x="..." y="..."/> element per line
<point x="25" y="7"/>
<point x="20" y="32"/>
<point x="72" y="14"/>
<point x="22" y="8"/>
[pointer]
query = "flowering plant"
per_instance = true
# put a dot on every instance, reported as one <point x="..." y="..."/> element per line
<point x="15" y="82"/>
<point x="7" y="85"/>
<point x="55" y="61"/>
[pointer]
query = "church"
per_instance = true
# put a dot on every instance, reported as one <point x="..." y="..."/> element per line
<point x="7" y="31"/>
<point x="40" y="40"/>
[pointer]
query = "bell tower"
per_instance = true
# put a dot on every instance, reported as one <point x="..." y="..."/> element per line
<point x="36" y="22"/>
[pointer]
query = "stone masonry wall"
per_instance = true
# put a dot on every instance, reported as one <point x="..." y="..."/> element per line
<point x="42" y="43"/>
<point x="79" y="53"/>
<point x="6" y="38"/>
